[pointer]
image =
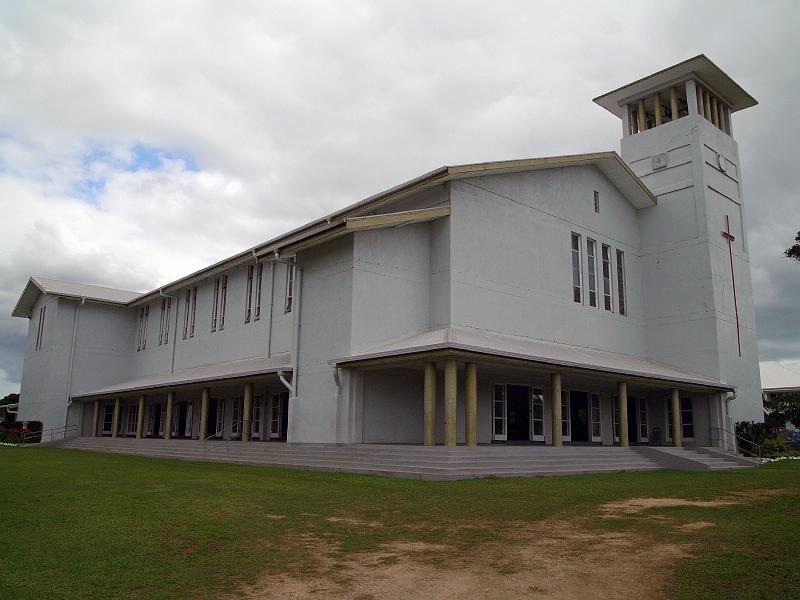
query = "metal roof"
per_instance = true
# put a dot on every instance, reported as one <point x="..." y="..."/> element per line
<point x="709" y="74"/>
<point x="37" y="286"/>
<point x="776" y="376"/>
<point x="533" y="350"/>
<point x="220" y="371"/>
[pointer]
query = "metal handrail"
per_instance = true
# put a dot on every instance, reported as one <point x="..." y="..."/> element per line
<point x="736" y="447"/>
<point x="51" y="432"/>
<point x="226" y="437"/>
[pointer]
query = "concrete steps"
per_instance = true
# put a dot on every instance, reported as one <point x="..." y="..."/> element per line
<point x="695" y="458"/>
<point x="416" y="462"/>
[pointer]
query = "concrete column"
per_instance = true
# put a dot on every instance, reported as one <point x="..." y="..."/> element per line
<point x="429" y="418"/>
<point x="247" y="409"/>
<point x="673" y="102"/>
<point x="450" y="395"/>
<point x="201" y="434"/>
<point x="555" y="408"/>
<point x="95" y="417"/>
<point x="622" y="410"/>
<point x="701" y="105"/>
<point x="115" y="420"/>
<point x="471" y="388"/>
<point x="714" y="111"/>
<point x="642" y="116"/>
<point x="677" y="434"/>
<point x="168" y="417"/>
<point x="631" y="128"/>
<point x="707" y="105"/>
<point x="140" y="418"/>
<point x="692" y="97"/>
<point x="657" y="105"/>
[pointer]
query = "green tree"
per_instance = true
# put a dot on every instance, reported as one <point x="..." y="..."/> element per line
<point x="794" y="251"/>
<point x="10" y="399"/>
<point x="783" y="408"/>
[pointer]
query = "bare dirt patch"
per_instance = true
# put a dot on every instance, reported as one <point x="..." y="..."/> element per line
<point x="353" y="521"/>
<point x="619" y="510"/>
<point x="696" y="526"/>
<point x="552" y="559"/>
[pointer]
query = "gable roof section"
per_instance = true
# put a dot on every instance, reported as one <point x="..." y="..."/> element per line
<point x="37" y="286"/>
<point x="777" y="377"/>
<point x="609" y="163"/>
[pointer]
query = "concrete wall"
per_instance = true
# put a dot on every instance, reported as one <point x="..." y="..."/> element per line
<point x="690" y="318"/>
<point x="511" y="257"/>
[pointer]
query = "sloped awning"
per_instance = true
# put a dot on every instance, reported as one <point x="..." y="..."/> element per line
<point x="237" y="369"/>
<point x="534" y="351"/>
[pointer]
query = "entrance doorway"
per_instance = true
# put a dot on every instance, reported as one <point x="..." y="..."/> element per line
<point x="579" y="416"/>
<point x="633" y="429"/>
<point x="519" y="413"/>
<point x="278" y="416"/>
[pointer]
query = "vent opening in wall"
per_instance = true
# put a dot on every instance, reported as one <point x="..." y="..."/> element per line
<point x="596" y="201"/>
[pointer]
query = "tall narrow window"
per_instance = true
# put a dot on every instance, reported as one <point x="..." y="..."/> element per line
<point x="215" y="305"/>
<point x="608" y="304"/>
<point x="597" y="429"/>
<point x="40" y="328"/>
<point x="577" y="295"/>
<point x="141" y="335"/>
<point x="623" y="305"/>
<point x="259" y="274"/>
<point x="222" y="302"/>
<point x="187" y="308"/>
<point x="163" y="329"/>
<point x="566" y="424"/>
<point x="643" y="428"/>
<point x="591" y="258"/>
<point x="289" y="288"/>
<point x="248" y="301"/>
<point x="687" y="418"/>
<point x="194" y="312"/>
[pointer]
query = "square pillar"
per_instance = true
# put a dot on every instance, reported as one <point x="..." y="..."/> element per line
<point x="115" y="420"/>
<point x="677" y="434"/>
<point x="450" y="395"/>
<point x="95" y="417"/>
<point x="140" y="418"/>
<point x="201" y="434"/>
<point x="429" y="408"/>
<point x="622" y="410"/>
<point x="168" y="417"/>
<point x="693" y="97"/>
<point x="247" y="409"/>
<point x="471" y="404"/>
<point x="555" y="408"/>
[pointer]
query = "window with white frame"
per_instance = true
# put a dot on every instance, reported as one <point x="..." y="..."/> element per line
<point x="108" y="417"/>
<point x="248" y="301"/>
<point x="577" y="294"/>
<point x="223" y="295"/>
<point x="236" y="416"/>
<point x="597" y="428"/>
<point x="621" y="287"/>
<point x="615" y="413"/>
<point x="215" y="305"/>
<point x="537" y="415"/>
<point x="186" y="309"/>
<point x="687" y="419"/>
<point x="566" y="425"/>
<point x="608" y="303"/>
<point x="133" y="416"/>
<point x="643" y="429"/>
<point x="259" y="274"/>
<point x="194" y="312"/>
<point x="255" y="418"/>
<point x="163" y="329"/>
<point x="591" y="259"/>
<point x="220" y="425"/>
<point x="40" y="328"/>
<point x="289" y="288"/>
<point x="141" y="336"/>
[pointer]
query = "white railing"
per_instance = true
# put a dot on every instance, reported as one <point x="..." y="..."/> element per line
<point x="49" y="435"/>
<point x="724" y="437"/>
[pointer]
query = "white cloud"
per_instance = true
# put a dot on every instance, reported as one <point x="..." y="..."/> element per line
<point x="268" y="115"/>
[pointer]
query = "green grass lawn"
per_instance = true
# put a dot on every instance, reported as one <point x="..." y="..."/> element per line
<point x="83" y="525"/>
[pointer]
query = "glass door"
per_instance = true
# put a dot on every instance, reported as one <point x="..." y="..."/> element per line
<point x="596" y="424"/>
<point x="499" y="414"/>
<point x="566" y="422"/>
<point x="642" y="419"/>
<point x="537" y="415"/>
<point x="220" y="424"/>
<point x="255" y="419"/>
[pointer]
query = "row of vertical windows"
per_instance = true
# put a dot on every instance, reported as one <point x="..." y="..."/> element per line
<point x="141" y="334"/>
<point x="605" y="275"/>
<point x="220" y="300"/>
<point x="40" y="328"/>
<point x="189" y="312"/>
<point x="253" y="293"/>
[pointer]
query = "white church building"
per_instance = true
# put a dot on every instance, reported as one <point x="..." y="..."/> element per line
<point x="587" y="299"/>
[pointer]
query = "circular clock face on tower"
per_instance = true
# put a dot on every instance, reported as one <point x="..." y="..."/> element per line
<point x="723" y="163"/>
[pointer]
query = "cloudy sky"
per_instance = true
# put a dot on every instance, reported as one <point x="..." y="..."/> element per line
<point x="142" y="140"/>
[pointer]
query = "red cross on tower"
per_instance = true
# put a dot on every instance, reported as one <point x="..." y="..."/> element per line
<point x="729" y="236"/>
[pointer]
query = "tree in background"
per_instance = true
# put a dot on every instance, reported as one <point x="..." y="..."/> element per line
<point x="794" y="251"/>
<point x="10" y="399"/>
<point x="782" y="408"/>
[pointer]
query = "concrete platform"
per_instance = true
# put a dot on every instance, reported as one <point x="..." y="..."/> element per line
<point x="414" y="462"/>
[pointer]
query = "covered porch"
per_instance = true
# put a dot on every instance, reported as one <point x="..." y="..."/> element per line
<point x="488" y="395"/>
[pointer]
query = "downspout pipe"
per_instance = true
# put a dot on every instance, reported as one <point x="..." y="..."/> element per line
<point x="296" y="304"/>
<point x="72" y="357"/>
<point x="175" y="332"/>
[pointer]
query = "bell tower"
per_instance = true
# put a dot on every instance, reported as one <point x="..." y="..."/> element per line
<point x="678" y="138"/>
